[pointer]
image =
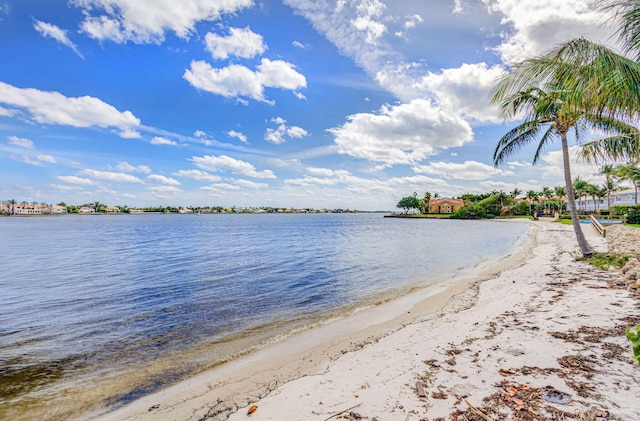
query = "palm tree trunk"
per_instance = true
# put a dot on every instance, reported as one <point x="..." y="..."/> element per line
<point x="582" y="241"/>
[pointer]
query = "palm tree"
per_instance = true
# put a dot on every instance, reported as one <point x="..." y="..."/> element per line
<point x="630" y="172"/>
<point x="580" y="189"/>
<point x="531" y="196"/>
<point x="560" y="193"/>
<point x="427" y="199"/>
<point x="608" y="172"/>
<point x="627" y="14"/>
<point x="579" y="84"/>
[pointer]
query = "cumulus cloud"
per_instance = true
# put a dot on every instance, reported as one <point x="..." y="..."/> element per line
<point x="22" y="142"/>
<point x="401" y="134"/>
<point x="55" y="108"/>
<point x="60" y="35"/>
<point x="241" y="42"/>
<point x="161" y="179"/>
<point x="162" y="141"/>
<point x="236" y="166"/>
<point x="72" y="179"/>
<point x="464" y="90"/>
<point x="146" y="21"/>
<point x="552" y="166"/>
<point x="280" y="133"/>
<point x="236" y="81"/>
<point x="238" y="135"/>
<point x="469" y="170"/>
<point x="126" y="167"/>
<point x="536" y="26"/>
<point x="111" y="176"/>
<point x="198" y="175"/>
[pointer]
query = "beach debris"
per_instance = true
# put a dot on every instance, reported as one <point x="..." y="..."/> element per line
<point x="154" y="407"/>
<point x="252" y="409"/>
<point x="555" y="396"/>
<point x="477" y="411"/>
<point x="420" y="388"/>
<point x="342" y="412"/>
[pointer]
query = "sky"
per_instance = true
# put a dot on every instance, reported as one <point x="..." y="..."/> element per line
<point x="349" y="104"/>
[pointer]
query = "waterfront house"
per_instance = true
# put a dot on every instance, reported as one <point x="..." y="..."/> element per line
<point x="112" y="209"/>
<point x="58" y="210"/>
<point x="445" y="205"/>
<point x="86" y="210"/>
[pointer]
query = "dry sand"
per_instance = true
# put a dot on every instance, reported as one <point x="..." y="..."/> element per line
<point x="541" y="326"/>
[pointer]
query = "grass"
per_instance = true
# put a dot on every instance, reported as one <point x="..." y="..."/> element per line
<point x="605" y="261"/>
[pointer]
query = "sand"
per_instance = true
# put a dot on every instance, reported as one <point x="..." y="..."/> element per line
<point x="538" y="326"/>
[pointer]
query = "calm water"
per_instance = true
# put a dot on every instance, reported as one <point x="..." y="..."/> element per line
<point x="100" y="310"/>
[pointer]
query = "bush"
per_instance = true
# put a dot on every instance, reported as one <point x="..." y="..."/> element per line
<point x="521" y="208"/>
<point x="490" y="216"/>
<point x="470" y="212"/>
<point x="633" y="216"/>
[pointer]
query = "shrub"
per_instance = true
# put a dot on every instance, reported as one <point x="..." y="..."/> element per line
<point x="470" y="212"/>
<point x="634" y="338"/>
<point x="633" y="216"/>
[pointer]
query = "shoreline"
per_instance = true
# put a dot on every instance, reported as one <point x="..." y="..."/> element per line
<point x="238" y="383"/>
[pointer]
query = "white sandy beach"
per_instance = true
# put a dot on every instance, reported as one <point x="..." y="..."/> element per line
<point x="481" y="350"/>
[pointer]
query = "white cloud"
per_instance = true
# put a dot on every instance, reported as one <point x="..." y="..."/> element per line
<point x="236" y="166"/>
<point x="551" y="165"/>
<point x="4" y="112"/>
<point x="238" y="135"/>
<point x="46" y="158"/>
<point x="237" y="81"/>
<point x="126" y="167"/>
<point x="401" y="134"/>
<point x="298" y="44"/>
<point x="250" y="184"/>
<point x="464" y="90"/>
<point x="111" y="176"/>
<point x="469" y="170"/>
<point x="537" y="26"/>
<point x="49" y="30"/>
<point x="146" y="21"/>
<point x="242" y="43"/>
<point x="55" y="108"/>
<point x="161" y="179"/>
<point x="162" y="141"/>
<point x="72" y="179"/>
<point x="279" y="134"/>
<point x="199" y="134"/>
<point x="197" y="175"/>
<point x="27" y="160"/>
<point x="22" y="142"/>
<point x="164" y="191"/>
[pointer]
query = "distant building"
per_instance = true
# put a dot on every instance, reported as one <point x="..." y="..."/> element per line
<point x="86" y="210"/>
<point x="58" y="210"/>
<point x="445" y="205"/>
<point x="112" y="209"/>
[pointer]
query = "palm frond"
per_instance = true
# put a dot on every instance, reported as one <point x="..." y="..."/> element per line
<point x="516" y="139"/>
<point x="546" y="138"/>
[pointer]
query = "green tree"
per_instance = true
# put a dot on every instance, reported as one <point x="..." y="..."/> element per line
<point x="580" y="189"/>
<point x="408" y="203"/>
<point x="515" y="193"/>
<point x="531" y="196"/>
<point x="608" y="171"/>
<point x="560" y="193"/>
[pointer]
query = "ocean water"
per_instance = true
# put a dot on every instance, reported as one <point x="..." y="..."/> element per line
<point x="100" y="310"/>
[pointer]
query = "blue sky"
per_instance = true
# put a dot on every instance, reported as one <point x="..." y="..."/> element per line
<point x="292" y="103"/>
